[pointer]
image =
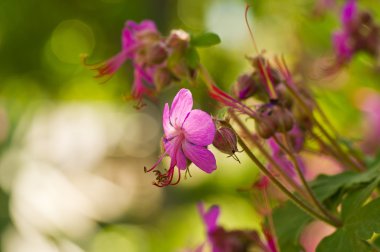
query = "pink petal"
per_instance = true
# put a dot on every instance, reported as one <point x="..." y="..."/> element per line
<point x="169" y="130"/>
<point x="171" y="146"/>
<point x="199" y="128"/>
<point x="200" y="156"/>
<point x="210" y="217"/>
<point x="138" y="89"/>
<point x="181" y="159"/>
<point x="181" y="106"/>
<point x="130" y="29"/>
<point x="349" y="12"/>
<point x="174" y="149"/>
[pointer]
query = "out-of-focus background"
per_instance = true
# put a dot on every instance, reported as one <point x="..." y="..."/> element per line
<point x="72" y="151"/>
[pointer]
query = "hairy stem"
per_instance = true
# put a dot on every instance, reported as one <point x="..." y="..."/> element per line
<point x="290" y="153"/>
<point x="336" y="146"/>
<point x="281" y="187"/>
<point x="263" y="151"/>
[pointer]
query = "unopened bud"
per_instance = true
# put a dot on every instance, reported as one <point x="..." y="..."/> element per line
<point x="178" y="40"/>
<point x="180" y="69"/>
<point x="284" y="96"/>
<point x="245" y="86"/>
<point x="266" y="125"/>
<point x="284" y="119"/>
<point x="162" y="78"/>
<point x="257" y="61"/>
<point x="225" y="140"/>
<point x="302" y="118"/>
<point x="156" y="54"/>
<point x="147" y="37"/>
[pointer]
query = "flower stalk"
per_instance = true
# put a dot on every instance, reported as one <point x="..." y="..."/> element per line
<point x="281" y="187"/>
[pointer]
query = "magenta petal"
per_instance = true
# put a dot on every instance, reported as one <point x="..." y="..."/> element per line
<point x="349" y="11"/>
<point x="169" y="130"/>
<point x="138" y="88"/>
<point x="341" y="44"/>
<point x="199" y="128"/>
<point x="181" y="159"/>
<point x="200" y="156"/>
<point x="130" y="29"/>
<point x="181" y="106"/>
<point x="171" y="147"/>
<point x="210" y="217"/>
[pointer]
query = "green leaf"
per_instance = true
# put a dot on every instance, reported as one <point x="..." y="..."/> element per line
<point x="356" y="198"/>
<point x="342" y="241"/>
<point x="289" y="221"/>
<point x="192" y="57"/>
<point x="366" y="221"/>
<point x="205" y="40"/>
<point x="357" y="229"/>
<point x="326" y="186"/>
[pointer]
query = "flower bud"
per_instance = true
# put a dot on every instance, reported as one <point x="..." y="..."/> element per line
<point x="225" y="140"/>
<point x="284" y="119"/>
<point x="245" y="86"/>
<point x="162" y="78"/>
<point x="156" y="54"/>
<point x="302" y="118"/>
<point x="147" y="37"/>
<point x="178" y="40"/>
<point x="266" y="125"/>
<point x="180" y="69"/>
<point x="284" y="96"/>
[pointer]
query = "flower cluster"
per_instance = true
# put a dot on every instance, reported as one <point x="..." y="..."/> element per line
<point x="286" y="119"/>
<point x="222" y="240"/>
<point x="358" y="33"/>
<point x="157" y="61"/>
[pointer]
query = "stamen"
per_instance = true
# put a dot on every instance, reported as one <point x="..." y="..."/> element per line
<point x="156" y="164"/>
<point x="179" y="178"/>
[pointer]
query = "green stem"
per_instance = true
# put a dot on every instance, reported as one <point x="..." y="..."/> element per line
<point x="323" y="130"/>
<point x="263" y="151"/>
<point x="290" y="153"/>
<point x="296" y="200"/>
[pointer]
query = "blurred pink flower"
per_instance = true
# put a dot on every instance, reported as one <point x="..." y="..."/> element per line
<point x="134" y="37"/>
<point x="343" y="45"/>
<point x="188" y="132"/>
<point x="313" y="234"/>
<point x="222" y="240"/>
<point x="371" y="108"/>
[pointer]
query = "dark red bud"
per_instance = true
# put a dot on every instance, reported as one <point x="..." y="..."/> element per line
<point x="180" y="69"/>
<point x="178" y="40"/>
<point x="147" y="37"/>
<point x="266" y="125"/>
<point x="284" y="96"/>
<point x="225" y="140"/>
<point x="284" y="119"/>
<point x="156" y="54"/>
<point x="162" y="78"/>
<point x="245" y="86"/>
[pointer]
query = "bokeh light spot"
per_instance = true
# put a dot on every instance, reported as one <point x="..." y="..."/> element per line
<point x="71" y="38"/>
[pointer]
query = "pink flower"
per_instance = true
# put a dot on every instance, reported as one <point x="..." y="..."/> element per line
<point x="135" y="38"/>
<point x="371" y="129"/>
<point x="188" y="132"/>
<point x="342" y="41"/>
<point x="222" y="240"/>
<point x="349" y="13"/>
<point x="281" y="159"/>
